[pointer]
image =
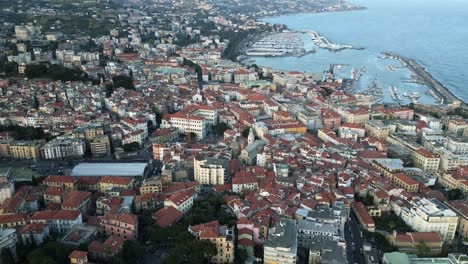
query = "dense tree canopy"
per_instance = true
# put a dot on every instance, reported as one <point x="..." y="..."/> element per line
<point x="25" y="133"/>
<point x="131" y="147"/>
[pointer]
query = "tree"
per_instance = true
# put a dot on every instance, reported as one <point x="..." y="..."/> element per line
<point x="131" y="147"/>
<point x="6" y="256"/>
<point x="221" y="128"/>
<point x="193" y="251"/>
<point x="35" y="70"/>
<point x="241" y="255"/>
<point x="132" y="252"/>
<point x="455" y="194"/>
<point x="191" y="137"/>
<point x="245" y="132"/>
<point x="9" y="68"/>
<point x="422" y="249"/>
<point x="123" y="81"/>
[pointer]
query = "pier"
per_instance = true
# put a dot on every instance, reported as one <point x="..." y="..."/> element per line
<point x="423" y="77"/>
<point x="324" y="43"/>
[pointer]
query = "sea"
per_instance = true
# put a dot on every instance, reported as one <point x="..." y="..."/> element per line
<point x="433" y="32"/>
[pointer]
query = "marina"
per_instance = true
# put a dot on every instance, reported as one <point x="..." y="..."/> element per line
<point x="279" y="44"/>
<point x="324" y="43"/>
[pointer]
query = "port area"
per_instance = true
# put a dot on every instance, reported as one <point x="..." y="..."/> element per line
<point x="324" y="43"/>
<point x="279" y="44"/>
<point x="420" y="75"/>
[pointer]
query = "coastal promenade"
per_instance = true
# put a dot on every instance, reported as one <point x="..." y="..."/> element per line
<point x="426" y="78"/>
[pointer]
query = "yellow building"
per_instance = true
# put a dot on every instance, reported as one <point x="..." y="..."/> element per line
<point x="78" y="257"/>
<point x="151" y="185"/>
<point x="221" y="236"/>
<point x="456" y="180"/>
<point x="25" y="149"/>
<point x="460" y="207"/>
<point x="107" y="183"/>
<point x="425" y="160"/>
<point x="404" y="181"/>
<point x="377" y="128"/>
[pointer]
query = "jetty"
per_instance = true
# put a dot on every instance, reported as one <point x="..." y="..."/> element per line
<point x="324" y="43"/>
<point x="423" y="77"/>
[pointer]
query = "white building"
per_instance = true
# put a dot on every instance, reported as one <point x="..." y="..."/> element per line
<point x="8" y="239"/>
<point x="186" y="124"/>
<point x="281" y="244"/>
<point x="60" y="221"/>
<point x="62" y="148"/>
<point x="431" y="215"/>
<point x="210" y="171"/>
<point x="7" y="189"/>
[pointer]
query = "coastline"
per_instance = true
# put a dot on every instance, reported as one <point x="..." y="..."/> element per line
<point x="425" y="77"/>
<point x="358" y="8"/>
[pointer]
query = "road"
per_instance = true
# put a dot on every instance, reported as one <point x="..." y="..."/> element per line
<point x="354" y="241"/>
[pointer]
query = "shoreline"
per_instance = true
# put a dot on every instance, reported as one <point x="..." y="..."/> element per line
<point x="359" y="8"/>
<point x="425" y="77"/>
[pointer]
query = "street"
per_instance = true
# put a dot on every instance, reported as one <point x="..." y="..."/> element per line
<point x="354" y="241"/>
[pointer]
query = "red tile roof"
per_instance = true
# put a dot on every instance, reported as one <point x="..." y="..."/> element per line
<point x="167" y="216"/>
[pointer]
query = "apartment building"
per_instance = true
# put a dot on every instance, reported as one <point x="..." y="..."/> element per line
<point x="192" y="119"/>
<point x="108" y="183"/>
<point x="281" y="244"/>
<point x="425" y="160"/>
<point x="100" y="146"/>
<point x="120" y="224"/>
<point x="431" y="215"/>
<point x="181" y="201"/>
<point x="211" y="171"/>
<point x="151" y="185"/>
<point x="25" y="149"/>
<point x="405" y="182"/>
<point x="460" y="207"/>
<point x="221" y="236"/>
<point x="63" y="148"/>
<point x="60" y="181"/>
<point x="377" y="128"/>
<point x="363" y="216"/>
<point x="60" y="221"/>
<point x="457" y="179"/>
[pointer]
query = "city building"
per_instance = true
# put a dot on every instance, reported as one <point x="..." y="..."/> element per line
<point x="460" y="207"/>
<point x="108" y="183"/>
<point x="281" y="243"/>
<point x="404" y="258"/>
<point x="100" y="146"/>
<point x="109" y="248"/>
<point x="211" y="171"/>
<point x="426" y="160"/>
<point x="60" y="181"/>
<point x="78" y="257"/>
<point x="365" y="219"/>
<point x="431" y="215"/>
<point x="36" y="232"/>
<point x="60" y="221"/>
<point x="221" y="236"/>
<point x="25" y="149"/>
<point x="121" y="169"/>
<point x="63" y="148"/>
<point x="8" y="240"/>
<point x="408" y="242"/>
<point x="151" y="185"/>
<point x="164" y="135"/>
<point x="182" y="201"/>
<point x="121" y="225"/>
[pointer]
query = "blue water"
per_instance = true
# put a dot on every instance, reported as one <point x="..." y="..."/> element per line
<point x="433" y="32"/>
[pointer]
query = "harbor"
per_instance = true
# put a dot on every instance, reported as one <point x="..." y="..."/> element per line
<point x="440" y="93"/>
<point x="279" y="44"/>
<point x="324" y="43"/>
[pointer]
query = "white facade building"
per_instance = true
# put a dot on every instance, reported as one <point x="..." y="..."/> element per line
<point x="431" y="215"/>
